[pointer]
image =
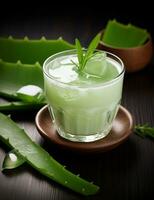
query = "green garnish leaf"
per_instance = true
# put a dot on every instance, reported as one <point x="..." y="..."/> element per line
<point x="12" y="160"/>
<point x="92" y="46"/>
<point x="83" y="55"/>
<point x="144" y="130"/>
<point x="79" y="51"/>
<point x="16" y="138"/>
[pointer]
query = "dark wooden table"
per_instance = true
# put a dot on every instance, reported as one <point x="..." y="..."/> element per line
<point x="126" y="172"/>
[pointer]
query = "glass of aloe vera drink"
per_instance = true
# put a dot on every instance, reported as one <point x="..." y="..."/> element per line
<point x="83" y="92"/>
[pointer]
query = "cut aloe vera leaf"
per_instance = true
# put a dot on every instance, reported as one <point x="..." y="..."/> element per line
<point x="14" y="76"/>
<point x="39" y="159"/>
<point x="30" y="51"/>
<point x="12" y="160"/>
<point x="120" y="35"/>
<point x="20" y="106"/>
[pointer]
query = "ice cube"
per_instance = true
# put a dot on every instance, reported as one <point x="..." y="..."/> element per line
<point x="54" y="64"/>
<point x="97" y="64"/>
<point x="64" y="73"/>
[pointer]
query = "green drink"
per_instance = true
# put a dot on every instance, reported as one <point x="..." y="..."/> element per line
<point x="83" y="104"/>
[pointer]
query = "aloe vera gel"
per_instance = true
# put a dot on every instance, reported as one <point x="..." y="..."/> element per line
<point x="83" y="104"/>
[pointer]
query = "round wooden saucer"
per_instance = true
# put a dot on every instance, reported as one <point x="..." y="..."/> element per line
<point x="122" y="128"/>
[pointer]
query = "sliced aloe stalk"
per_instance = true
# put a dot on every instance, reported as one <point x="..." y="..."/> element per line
<point x="39" y="159"/>
<point x="120" y="35"/>
<point x="20" y="106"/>
<point x="14" y="76"/>
<point x="12" y="160"/>
<point x="31" y="98"/>
<point x="23" y="84"/>
<point x="30" y="51"/>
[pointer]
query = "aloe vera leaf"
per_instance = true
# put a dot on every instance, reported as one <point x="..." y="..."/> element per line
<point x="13" y="76"/>
<point x="120" y="35"/>
<point x="39" y="159"/>
<point x="12" y="160"/>
<point x="30" y="51"/>
<point x="19" y="105"/>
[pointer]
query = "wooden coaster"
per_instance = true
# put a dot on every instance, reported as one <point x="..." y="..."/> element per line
<point x="121" y="129"/>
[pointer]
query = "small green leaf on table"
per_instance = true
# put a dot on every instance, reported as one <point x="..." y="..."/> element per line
<point x="144" y="130"/>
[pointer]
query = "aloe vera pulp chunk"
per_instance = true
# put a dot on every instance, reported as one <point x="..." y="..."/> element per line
<point x="12" y="160"/>
<point x="120" y="35"/>
<point x="30" y="93"/>
<point x="37" y="157"/>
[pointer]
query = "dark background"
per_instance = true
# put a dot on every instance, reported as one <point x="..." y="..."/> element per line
<point x="70" y="19"/>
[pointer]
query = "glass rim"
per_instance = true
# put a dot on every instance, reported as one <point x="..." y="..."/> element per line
<point x="96" y="85"/>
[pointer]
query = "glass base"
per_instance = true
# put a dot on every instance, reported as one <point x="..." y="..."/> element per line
<point x="84" y="138"/>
